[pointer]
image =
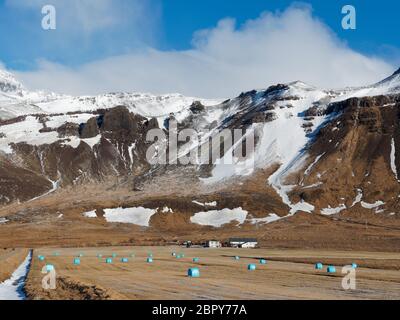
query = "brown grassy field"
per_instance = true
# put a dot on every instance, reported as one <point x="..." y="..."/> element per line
<point x="289" y="274"/>
<point x="10" y="259"/>
<point x="56" y="220"/>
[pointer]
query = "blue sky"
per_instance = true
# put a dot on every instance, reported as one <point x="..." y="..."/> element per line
<point x="107" y="32"/>
<point x="377" y="19"/>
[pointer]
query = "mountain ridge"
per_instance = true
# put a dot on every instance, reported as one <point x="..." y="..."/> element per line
<point x="317" y="151"/>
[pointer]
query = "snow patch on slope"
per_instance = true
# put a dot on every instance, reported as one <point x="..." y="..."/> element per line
<point x="308" y="170"/>
<point x="13" y="288"/>
<point x="218" y="218"/>
<point x="90" y="214"/>
<point x="25" y="131"/>
<point x="206" y="204"/>
<point x="284" y="140"/>
<point x="331" y="211"/>
<point x="28" y="131"/>
<point x="281" y="140"/>
<point x="372" y="205"/>
<point x="3" y="220"/>
<point x="55" y="185"/>
<point x="139" y="216"/>
<point x="272" y="217"/>
<point x="167" y="210"/>
<point x="146" y="105"/>
<point x="74" y="142"/>
<point x="358" y="197"/>
<point x="55" y="121"/>
<point x="393" y="159"/>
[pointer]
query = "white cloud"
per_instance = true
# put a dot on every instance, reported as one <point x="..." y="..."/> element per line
<point x="276" y="47"/>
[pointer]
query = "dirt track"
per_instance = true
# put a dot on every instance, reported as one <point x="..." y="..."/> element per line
<point x="289" y="274"/>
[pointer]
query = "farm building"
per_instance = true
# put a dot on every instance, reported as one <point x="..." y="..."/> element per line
<point x="213" y="244"/>
<point x="243" y="242"/>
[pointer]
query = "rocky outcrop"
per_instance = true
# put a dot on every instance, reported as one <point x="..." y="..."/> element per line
<point x="68" y="129"/>
<point x="120" y="150"/>
<point x="197" y="107"/>
<point x="89" y="129"/>
<point x="355" y="157"/>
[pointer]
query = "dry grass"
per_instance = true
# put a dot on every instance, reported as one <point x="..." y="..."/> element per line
<point x="289" y="274"/>
<point x="10" y="259"/>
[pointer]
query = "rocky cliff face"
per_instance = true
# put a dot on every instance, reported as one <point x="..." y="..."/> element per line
<point x="110" y="142"/>
<point x="353" y="162"/>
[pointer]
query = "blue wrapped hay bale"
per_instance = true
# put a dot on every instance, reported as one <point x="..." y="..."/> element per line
<point x="49" y="267"/>
<point x="237" y="258"/>
<point x="149" y="260"/>
<point x="331" y="269"/>
<point x="263" y="261"/>
<point x="173" y="254"/>
<point x="319" y="266"/>
<point x="354" y="265"/>
<point x="194" y="273"/>
<point x="41" y="258"/>
<point x="196" y="259"/>
<point x="124" y="260"/>
<point x="251" y="267"/>
<point x="109" y="260"/>
<point x="77" y="261"/>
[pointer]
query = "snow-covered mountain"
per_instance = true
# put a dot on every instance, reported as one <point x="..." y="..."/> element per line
<point x="8" y="83"/>
<point x="312" y="135"/>
<point x="16" y="100"/>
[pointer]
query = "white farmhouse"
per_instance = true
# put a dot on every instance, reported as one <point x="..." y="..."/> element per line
<point x="213" y="244"/>
<point x="243" y="242"/>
